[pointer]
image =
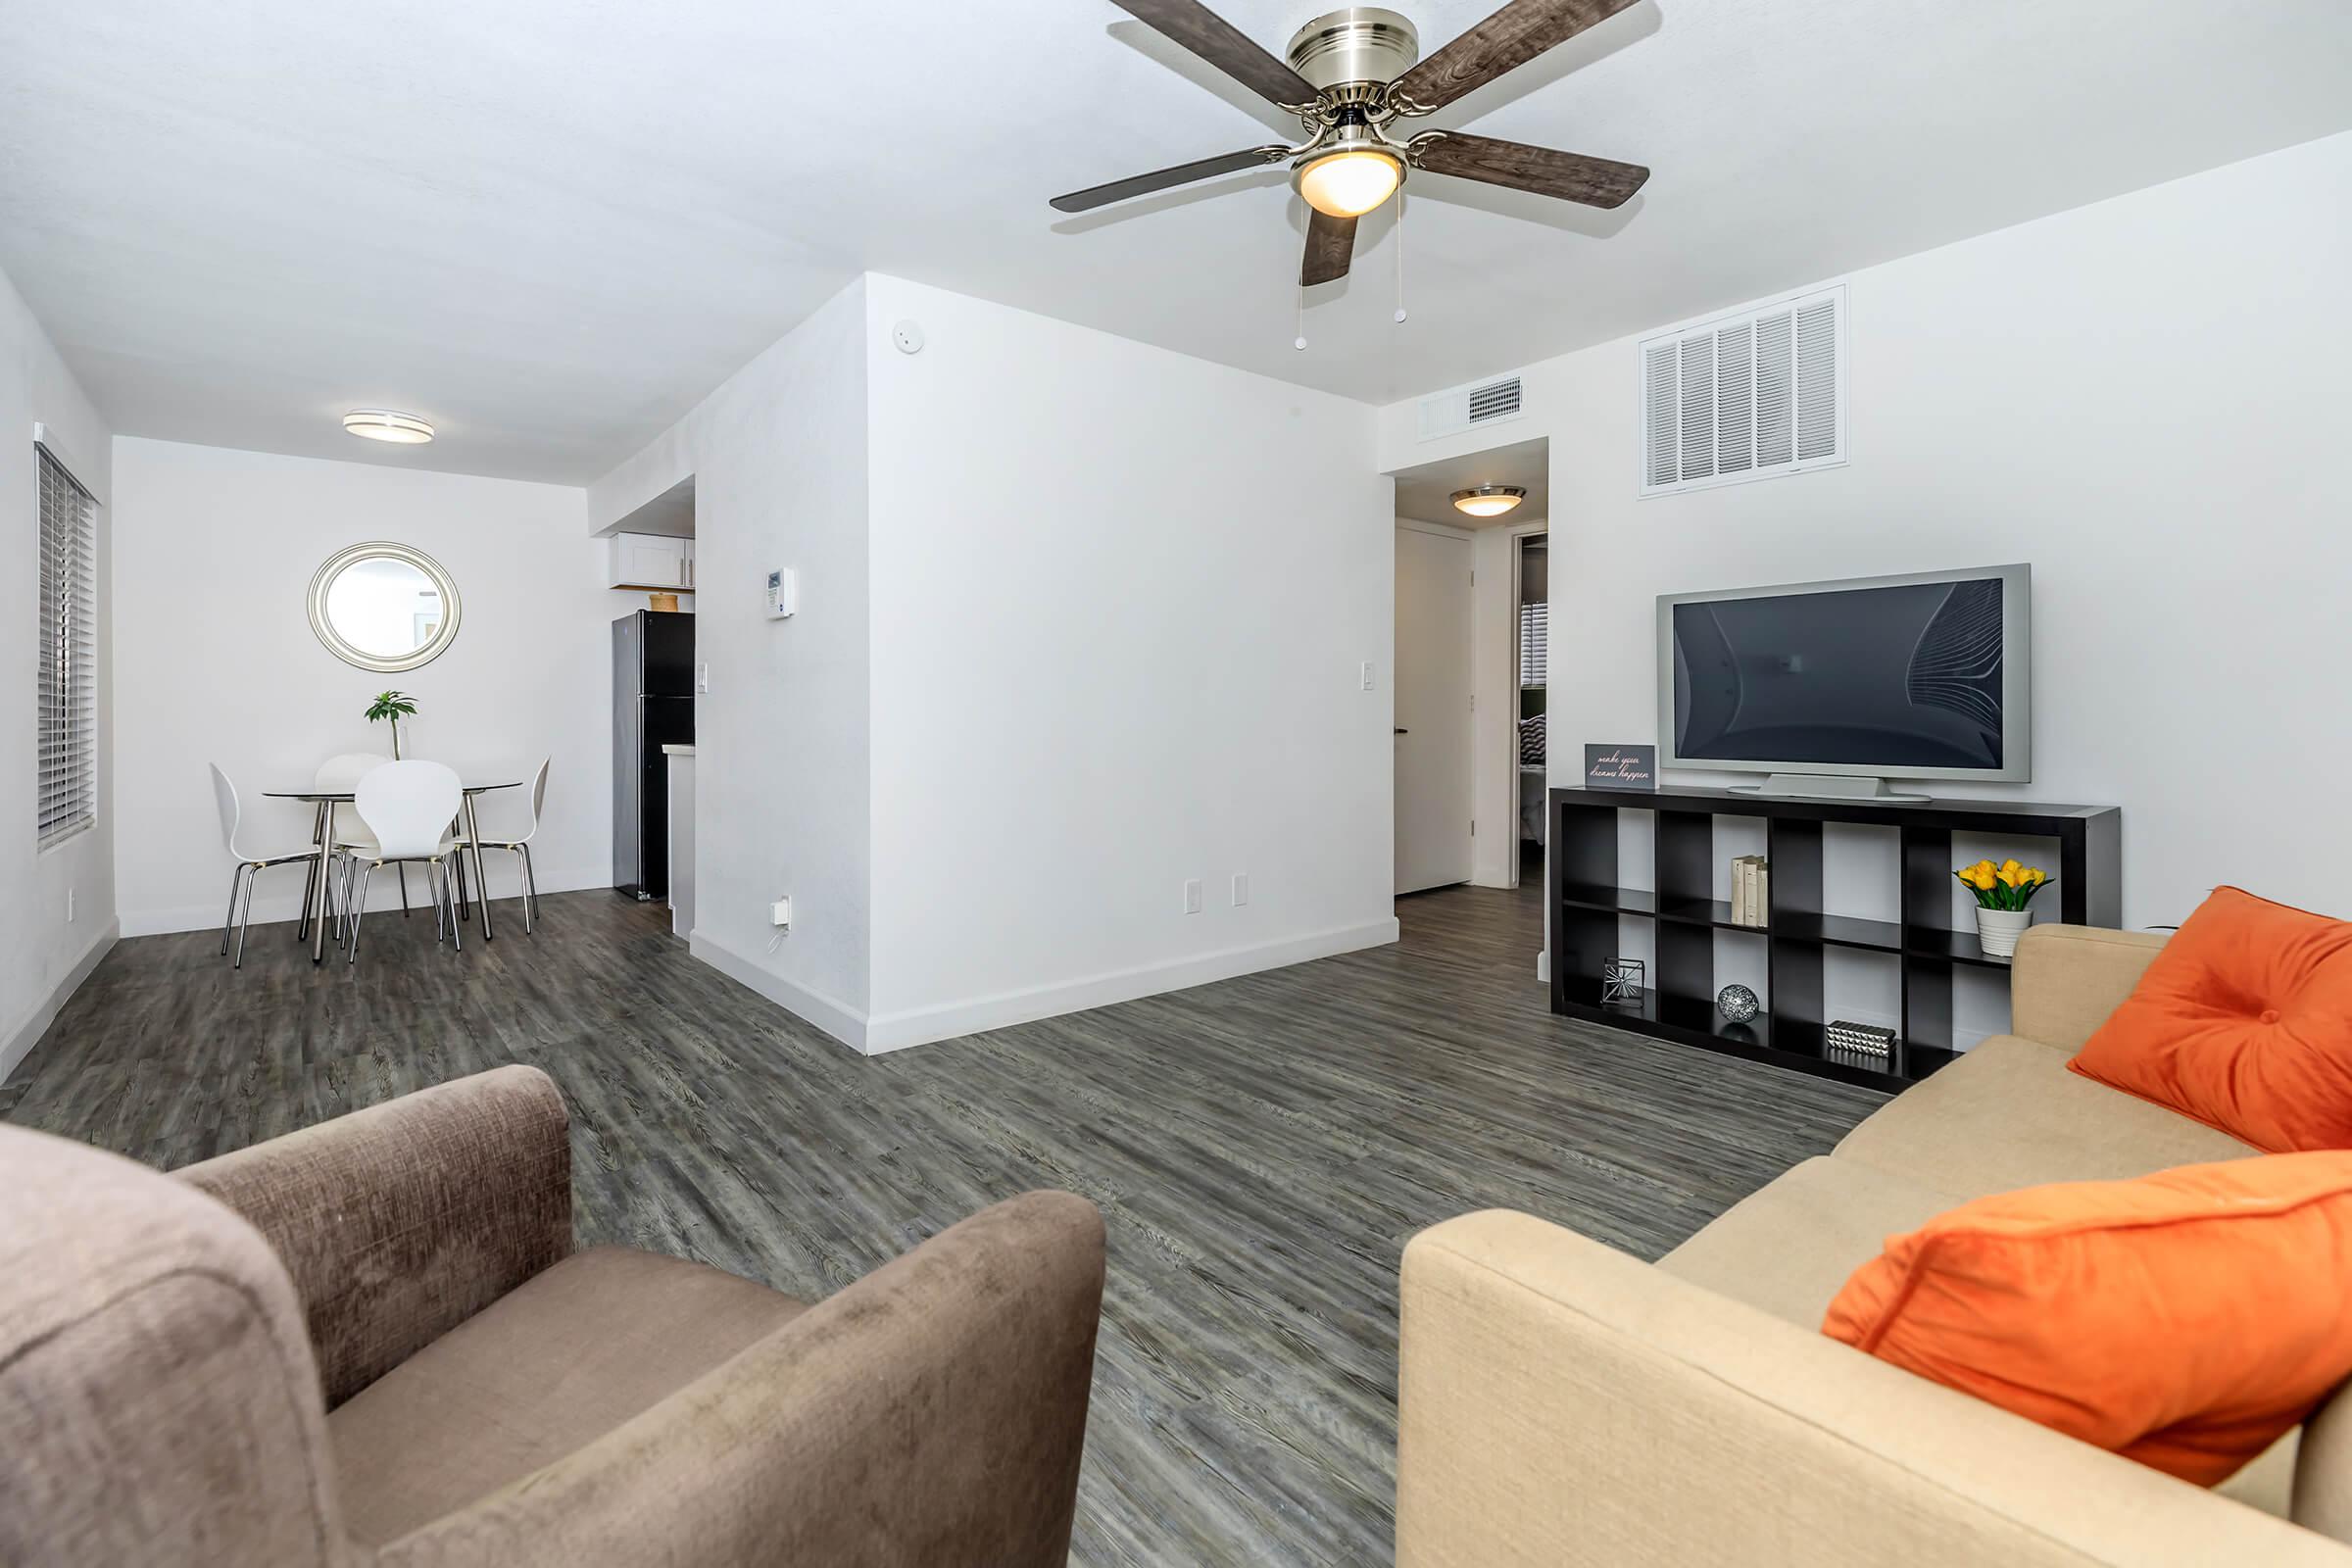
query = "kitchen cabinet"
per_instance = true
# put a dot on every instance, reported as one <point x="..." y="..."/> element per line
<point x="651" y="560"/>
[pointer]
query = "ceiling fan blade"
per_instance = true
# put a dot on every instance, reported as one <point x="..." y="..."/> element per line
<point x="1330" y="246"/>
<point x="1222" y="45"/>
<point x="1504" y="41"/>
<point x="1119" y="190"/>
<point x="1571" y="176"/>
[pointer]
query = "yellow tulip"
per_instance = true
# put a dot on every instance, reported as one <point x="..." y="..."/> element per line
<point x="1984" y="878"/>
<point x="2011" y="866"/>
<point x="2008" y="874"/>
<point x="2038" y="876"/>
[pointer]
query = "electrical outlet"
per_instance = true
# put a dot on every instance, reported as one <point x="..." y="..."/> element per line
<point x="1191" y="896"/>
<point x="1240" y="889"/>
<point x="779" y="914"/>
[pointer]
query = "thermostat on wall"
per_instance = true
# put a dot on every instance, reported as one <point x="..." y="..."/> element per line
<point x="783" y="594"/>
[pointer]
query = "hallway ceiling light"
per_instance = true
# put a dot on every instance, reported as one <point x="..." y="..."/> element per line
<point x="383" y="424"/>
<point x="1488" y="500"/>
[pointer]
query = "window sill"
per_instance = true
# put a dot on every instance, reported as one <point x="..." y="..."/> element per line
<point x="64" y="836"/>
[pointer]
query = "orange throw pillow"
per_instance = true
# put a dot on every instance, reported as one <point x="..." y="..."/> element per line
<point x="2185" y="1319"/>
<point x="2243" y="1021"/>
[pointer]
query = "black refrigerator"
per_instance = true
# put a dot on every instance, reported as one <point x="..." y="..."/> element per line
<point x="652" y="707"/>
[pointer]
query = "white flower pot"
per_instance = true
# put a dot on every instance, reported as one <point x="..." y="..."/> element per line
<point x="1997" y="930"/>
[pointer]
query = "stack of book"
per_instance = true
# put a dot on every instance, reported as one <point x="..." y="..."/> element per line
<point x="1752" y="891"/>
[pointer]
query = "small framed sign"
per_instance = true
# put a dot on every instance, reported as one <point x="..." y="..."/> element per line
<point x="1621" y="768"/>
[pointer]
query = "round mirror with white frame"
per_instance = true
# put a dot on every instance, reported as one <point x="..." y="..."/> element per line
<point x="384" y="607"/>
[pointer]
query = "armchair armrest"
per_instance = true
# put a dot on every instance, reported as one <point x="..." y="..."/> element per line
<point x="400" y="1222"/>
<point x="2067" y="979"/>
<point x="1561" y="1403"/>
<point x="932" y="1413"/>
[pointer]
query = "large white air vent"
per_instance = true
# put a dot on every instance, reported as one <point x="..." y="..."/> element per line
<point x="1751" y="395"/>
<point x="1467" y="408"/>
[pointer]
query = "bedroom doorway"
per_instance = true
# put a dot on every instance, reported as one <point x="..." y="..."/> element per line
<point x="1530" y="734"/>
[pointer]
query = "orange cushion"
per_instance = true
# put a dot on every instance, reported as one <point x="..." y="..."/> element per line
<point x="2185" y="1319"/>
<point x="2244" y="1022"/>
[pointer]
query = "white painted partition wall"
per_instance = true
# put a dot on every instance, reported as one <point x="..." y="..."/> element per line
<point x="1080" y="623"/>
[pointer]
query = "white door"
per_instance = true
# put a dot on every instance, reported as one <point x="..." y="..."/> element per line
<point x="1433" y="710"/>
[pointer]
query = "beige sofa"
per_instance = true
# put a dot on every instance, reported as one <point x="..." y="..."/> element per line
<point x="1562" y="1402"/>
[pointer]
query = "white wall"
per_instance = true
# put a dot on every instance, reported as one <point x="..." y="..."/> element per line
<point x="778" y="457"/>
<point x="44" y="956"/>
<point x="216" y="662"/>
<point x="1121" y="599"/>
<point x="2141" y="398"/>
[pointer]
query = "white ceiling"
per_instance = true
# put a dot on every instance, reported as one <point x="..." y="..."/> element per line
<point x="552" y="227"/>
<point x="1426" y="492"/>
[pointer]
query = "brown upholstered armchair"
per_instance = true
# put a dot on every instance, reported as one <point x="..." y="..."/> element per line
<point x="372" y="1342"/>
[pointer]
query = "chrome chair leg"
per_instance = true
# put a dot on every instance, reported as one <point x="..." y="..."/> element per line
<point x="457" y="938"/>
<point x="236" y="879"/>
<point x="530" y="893"/>
<point x="245" y="918"/>
<point x="359" y="910"/>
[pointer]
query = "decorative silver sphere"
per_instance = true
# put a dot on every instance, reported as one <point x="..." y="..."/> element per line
<point x="1736" y="1003"/>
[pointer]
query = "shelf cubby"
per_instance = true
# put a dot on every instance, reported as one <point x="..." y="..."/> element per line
<point x="1589" y="899"/>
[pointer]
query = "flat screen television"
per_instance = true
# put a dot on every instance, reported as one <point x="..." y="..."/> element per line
<point x="1834" y="687"/>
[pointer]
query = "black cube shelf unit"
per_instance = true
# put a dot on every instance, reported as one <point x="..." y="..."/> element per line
<point x="1588" y="899"/>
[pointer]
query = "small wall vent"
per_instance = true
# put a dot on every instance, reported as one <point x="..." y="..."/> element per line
<point x="1468" y="407"/>
<point x="1751" y="395"/>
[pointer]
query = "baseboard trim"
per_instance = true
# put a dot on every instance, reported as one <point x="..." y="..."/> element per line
<point x="279" y="903"/>
<point x="834" y="1016"/>
<point x="27" y="1034"/>
<point x="922" y="1026"/>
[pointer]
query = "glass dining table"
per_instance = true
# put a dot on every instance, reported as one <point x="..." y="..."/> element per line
<point x="313" y="893"/>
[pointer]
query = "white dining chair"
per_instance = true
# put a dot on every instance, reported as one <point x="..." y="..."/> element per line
<point x="249" y="864"/>
<point x="346" y="833"/>
<point x="407" y="807"/>
<point x="522" y="848"/>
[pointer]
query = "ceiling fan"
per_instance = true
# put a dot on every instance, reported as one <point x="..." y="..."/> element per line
<point x="1352" y="75"/>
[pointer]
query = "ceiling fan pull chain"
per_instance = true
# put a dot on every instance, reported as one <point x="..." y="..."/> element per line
<point x="1397" y="239"/>
<point x="1299" y="342"/>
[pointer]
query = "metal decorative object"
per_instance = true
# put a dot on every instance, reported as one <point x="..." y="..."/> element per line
<point x="1860" y="1045"/>
<point x="1622" y="982"/>
<point x="1736" y="1003"/>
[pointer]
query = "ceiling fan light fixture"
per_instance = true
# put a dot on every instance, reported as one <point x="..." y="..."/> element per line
<point x="1350" y="181"/>
<point x="1488" y="500"/>
<point x="385" y="425"/>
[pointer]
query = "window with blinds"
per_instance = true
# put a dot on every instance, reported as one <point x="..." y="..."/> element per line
<point x="1747" y="396"/>
<point x="66" y="792"/>
<point x="1535" y="624"/>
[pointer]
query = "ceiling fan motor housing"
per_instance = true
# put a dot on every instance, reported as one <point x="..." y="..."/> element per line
<point x="1357" y="46"/>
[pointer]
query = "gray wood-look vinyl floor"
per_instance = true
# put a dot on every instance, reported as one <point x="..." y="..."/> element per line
<point x="1261" y="1149"/>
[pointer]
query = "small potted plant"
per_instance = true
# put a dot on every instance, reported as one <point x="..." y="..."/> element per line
<point x="2003" y="893"/>
<point x="394" y="706"/>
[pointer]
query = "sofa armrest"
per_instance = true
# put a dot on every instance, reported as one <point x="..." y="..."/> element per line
<point x="401" y="1221"/>
<point x="2067" y="979"/>
<point x="933" y="1414"/>
<point x="1561" y="1403"/>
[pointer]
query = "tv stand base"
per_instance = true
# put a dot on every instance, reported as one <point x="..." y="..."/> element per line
<point x="1829" y="787"/>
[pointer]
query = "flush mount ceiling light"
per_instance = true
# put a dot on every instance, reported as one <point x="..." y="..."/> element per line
<point x="1488" y="500"/>
<point x="383" y="424"/>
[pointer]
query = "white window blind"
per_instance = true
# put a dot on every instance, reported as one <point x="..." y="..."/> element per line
<point x="1535" y="630"/>
<point x="66" y="792"/>
<point x="1747" y="396"/>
